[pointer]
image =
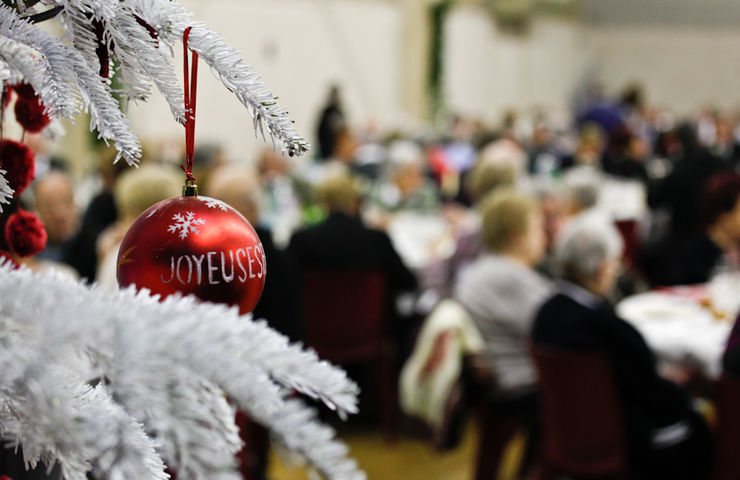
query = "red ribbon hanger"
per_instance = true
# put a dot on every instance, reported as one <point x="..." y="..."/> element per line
<point x="191" y="89"/>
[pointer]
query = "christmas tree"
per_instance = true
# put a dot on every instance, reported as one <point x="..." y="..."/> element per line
<point x="115" y="384"/>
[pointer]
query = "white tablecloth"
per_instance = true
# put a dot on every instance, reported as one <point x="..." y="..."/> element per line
<point x="421" y="239"/>
<point x="678" y="328"/>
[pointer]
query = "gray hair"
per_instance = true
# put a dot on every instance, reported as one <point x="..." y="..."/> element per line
<point x="583" y="186"/>
<point x="584" y="244"/>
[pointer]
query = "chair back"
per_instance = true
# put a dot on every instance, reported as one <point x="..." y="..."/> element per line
<point x="728" y="428"/>
<point x="582" y="420"/>
<point x="345" y="313"/>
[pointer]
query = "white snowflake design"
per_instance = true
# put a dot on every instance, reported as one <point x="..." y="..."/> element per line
<point x="185" y="224"/>
<point x="213" y="203"/>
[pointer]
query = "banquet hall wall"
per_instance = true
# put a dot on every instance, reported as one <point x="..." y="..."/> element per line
<point x="302" y="46"/>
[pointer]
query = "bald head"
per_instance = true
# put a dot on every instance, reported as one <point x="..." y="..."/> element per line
<point x="238" y="187"/>
<point x="55" y="205"/>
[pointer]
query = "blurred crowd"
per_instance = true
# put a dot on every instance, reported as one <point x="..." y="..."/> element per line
<point x="533" y="227"/>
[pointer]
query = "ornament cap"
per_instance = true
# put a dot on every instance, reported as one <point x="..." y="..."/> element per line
<point x="190" y="189"/>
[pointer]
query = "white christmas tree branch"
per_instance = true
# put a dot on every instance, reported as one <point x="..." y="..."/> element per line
<point x="170" y="21"/>
<point x="71" y="70"/>
<point x="193" y="422"/>
<point x="60" y="79"/>
<point x="141" y="61"/>
<point x="67" y="67"/>
<point x="150" y="340"/>
<point x="6" y="193"/>
<point x="56" y="417"/>
<point x="25" y="65"/>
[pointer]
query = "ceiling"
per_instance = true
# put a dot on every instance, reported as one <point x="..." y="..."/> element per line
<point x="699" y="13"/>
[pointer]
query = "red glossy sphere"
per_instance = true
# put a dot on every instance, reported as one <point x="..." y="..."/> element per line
<point x="194" y="245"/>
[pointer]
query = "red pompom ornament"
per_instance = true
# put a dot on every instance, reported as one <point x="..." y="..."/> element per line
<point x="18" y="162"/>
<point x="30" y="114"/>
<point x="194" y="245"/>
<point x="25" y="234"/>
<point x="24" y="90"/>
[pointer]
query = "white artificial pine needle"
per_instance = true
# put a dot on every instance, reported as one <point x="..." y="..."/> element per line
<point x="170" y="365"/>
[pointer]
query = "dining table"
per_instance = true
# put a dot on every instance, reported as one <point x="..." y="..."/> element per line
<point x="687" y="326"/>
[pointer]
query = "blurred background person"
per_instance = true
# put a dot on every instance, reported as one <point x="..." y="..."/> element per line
<point x="280" y="202"/>
<point x="485" y="178"/>
<point x="501" y="292"/>
<point x="719" y="242"/>
<point x="134" y="191"/>
<point x="238" y="187"/>
<point x="579" y="318"/>
<point x="54" y="202"/>
<point x="332" y="120"/>
<point x="406" y="187"/>
<point x="343" y="241"/>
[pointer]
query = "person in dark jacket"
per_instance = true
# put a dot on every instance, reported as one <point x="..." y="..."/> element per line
<point x="719" y="240"/>
<point x="342" y="241"/>
<point x="331" y="121"/>
<point x="665" y="437"/>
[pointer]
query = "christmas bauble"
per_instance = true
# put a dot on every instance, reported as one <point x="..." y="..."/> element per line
<point x="194" y="245"/>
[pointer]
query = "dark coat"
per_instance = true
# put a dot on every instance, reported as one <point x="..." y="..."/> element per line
<point x="695" y="262"/>
<point x="343" y="242"/>
<point x="278" y="304"/>
<point x="649" y="401"/>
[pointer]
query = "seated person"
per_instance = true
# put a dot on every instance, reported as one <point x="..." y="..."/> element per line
<point x="134" y="191"/>
<point x="406" y="186"/>
<point x="720" y="239"/>
<point x="484" y="179"/>
<point x="54" y="202"/>
<point x="731" y="359"/>
<point x="239" y="187"/>
<point x="502" y="292"/>
<point x="665" y="437"/>
<point x="342" y="241"/>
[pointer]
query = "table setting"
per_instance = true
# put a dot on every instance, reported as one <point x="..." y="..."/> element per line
<point x="687" y="325"/>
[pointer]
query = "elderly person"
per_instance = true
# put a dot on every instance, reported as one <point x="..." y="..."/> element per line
<point x="484" y="179"/>
<point x="406" y="186"/>
<point x="665" y="437"/>
<point x="238" y="186"/>
<point x="501" y="290"/>
<point x="54" y="202"/>
<point x="134" y="191"/>
<point x="582" y="189"/>
<point x="343" y="241"/>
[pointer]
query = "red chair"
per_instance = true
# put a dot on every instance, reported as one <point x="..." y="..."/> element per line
<point x="496" y="431"/>
<point x="345" y="319"/>
<point x="582" y="420"/>
<point x="628" y="229"/>
<point x="728" y="429"/>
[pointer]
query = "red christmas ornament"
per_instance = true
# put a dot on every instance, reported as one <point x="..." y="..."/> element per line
<point x="30" y="114"/>
<point x="18" y="162"/>
<point x="194" y="245"/>
<point x="25" y="234"/>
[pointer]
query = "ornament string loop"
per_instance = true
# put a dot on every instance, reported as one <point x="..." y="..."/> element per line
<point x="191" y="89"/>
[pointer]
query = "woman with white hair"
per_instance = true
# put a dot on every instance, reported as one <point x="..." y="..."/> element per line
<point x="665" y="437"/>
